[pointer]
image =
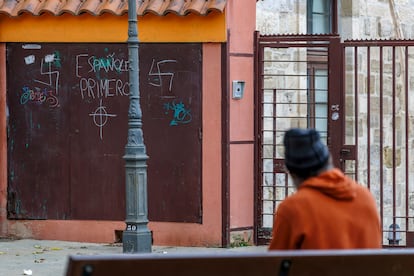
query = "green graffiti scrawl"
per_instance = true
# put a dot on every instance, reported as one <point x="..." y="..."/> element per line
<point x="56" y="61"/>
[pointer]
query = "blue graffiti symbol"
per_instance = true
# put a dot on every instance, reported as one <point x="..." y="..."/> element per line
<point x="38" y="96"/>
<point x="25" y="97"/>
<point x="180" y="114"/>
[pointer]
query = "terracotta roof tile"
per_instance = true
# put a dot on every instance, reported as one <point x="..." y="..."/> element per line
<point x="15" y="8"/>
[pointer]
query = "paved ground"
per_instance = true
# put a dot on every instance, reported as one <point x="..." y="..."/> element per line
<point x="44" y="258"/>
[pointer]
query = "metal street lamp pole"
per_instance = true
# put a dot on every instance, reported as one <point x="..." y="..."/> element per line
<point x="136" y="237"/>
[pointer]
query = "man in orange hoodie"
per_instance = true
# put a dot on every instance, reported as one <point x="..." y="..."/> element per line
<point x="329" y="210"/>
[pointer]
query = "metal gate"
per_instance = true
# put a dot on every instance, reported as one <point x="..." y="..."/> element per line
<point x="359" y="95"/>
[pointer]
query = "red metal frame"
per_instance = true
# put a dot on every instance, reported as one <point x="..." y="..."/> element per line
<point x="342" y="152"/>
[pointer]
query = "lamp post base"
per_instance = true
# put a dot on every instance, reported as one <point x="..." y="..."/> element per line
<point x="137" y="242"/>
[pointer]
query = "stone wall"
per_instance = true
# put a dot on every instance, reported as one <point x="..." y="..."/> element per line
<point x="358" y="19"/>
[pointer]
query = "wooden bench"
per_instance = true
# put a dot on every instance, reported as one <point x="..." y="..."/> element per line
<point x="283" y="263"/>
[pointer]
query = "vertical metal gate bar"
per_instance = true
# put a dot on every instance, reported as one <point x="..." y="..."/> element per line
<point x="356" y="108"/>
<point x="381" y="84"/>
<point x="274" y="149"/>
<point x="258" y="132"/>
<point x="369" y="117"/>
<point x="394" y="196"/>
<point x="407" y="127"/>
<point x="407" y="156"/>
<point x="260" y="65"/>
<point x="257" y="148"/>
<point x="336" y="75"/>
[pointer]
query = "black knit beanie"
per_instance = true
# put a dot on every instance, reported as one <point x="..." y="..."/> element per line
<point x="305" y="153"/>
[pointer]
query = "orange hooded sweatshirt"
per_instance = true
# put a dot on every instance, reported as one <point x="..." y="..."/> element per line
<point x="329" y="211"/>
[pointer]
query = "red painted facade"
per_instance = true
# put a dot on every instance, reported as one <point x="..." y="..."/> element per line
<point x="227" y="178"/>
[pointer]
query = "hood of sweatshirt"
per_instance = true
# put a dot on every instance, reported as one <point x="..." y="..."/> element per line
<point x="333" y="183"/>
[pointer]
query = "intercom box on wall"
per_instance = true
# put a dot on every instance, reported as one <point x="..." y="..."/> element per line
<point x="238" y="89"/>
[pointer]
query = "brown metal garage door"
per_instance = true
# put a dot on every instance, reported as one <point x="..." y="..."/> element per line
<point x="68" y="123"/>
